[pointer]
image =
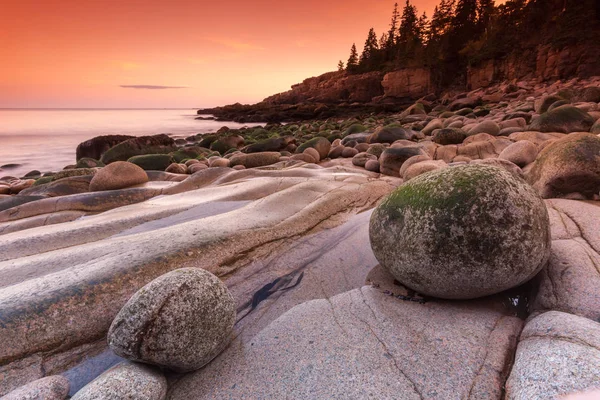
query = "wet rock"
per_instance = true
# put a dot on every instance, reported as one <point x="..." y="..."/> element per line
<point x="255" y="160"/>
<point x="558" y="354"/>
<point x="520" y="153"/>
<point x="565" y="119"/>
<point x="68" y="173"/>
<point x="181" y="321"/>
<point x="19" y="185"/>
<point x="49" y="388"/>
<point x="126" y="381"/>
<point x="449" y="136"/>
<point x="152" y="162"/>
<point x="376" y="149"/>
<point x="336" y="152"/>
<point x="391" y="160"/>
<point x="568" y="165"/>
<point x="224" y="144"/>
<point x="96" y="147"/>
<point x="466" y="232"/>
<point x="118" y="175"/>
<point x="157" y="144"/>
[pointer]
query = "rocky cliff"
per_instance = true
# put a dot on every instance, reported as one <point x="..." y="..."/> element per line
<point x="544" y="64"/>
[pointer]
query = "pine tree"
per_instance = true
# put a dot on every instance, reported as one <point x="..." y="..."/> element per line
<point x="393" y="32"/>
<point x="371" y="47"/>
<point x="409" y="37"/>
<point x="423" y="28"/>
<point x="352" y="63"/>
<point x="383" y="41"/>
<point x="485" y="10"/>
<point x="340" y="65"/>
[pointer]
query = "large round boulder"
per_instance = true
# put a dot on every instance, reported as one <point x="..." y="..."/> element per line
<point x="181" y="321"/>
<point x="126" y="381"/>
<point x="391" y="133"/>
<point x="322" y="145"/>
<point x="391" y="159"/>
<point x="564" y="119"/>
<point x="462" y="232"/>
<point x="118" y="175"/>
<point x="568" y="165"/>
<point x="520" y="153"/>
<point x="96" y="147"/>
<point x="255" y="160"/>
<point x="449" y="136"/>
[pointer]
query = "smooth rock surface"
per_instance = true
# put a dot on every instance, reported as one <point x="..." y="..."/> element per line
<point x="558" y="354"/>
<point x="364" y="344"/>
<point x="49" y="388"/>
<point x="126" y="381"/>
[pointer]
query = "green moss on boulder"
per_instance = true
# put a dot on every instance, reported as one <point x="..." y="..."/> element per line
<point x="152" y="162"/>
<point x="564" y="119"/>
<point x="462" y="232"/>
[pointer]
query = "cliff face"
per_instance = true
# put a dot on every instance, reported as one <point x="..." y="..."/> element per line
<point x="332" y="87"/>
<point x="543" y="64"/>
<point x="339" y="87"/>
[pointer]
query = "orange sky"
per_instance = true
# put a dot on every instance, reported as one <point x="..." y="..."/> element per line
<point x="78" y="53"/>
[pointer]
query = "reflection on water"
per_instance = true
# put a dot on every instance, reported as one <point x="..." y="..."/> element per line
<point x="46" y="139"/>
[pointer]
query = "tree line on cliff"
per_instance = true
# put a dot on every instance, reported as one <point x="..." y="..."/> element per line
<point x="466" y="32"/>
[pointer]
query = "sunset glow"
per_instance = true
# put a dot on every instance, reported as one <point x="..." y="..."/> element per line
<point x="181" y="53"/>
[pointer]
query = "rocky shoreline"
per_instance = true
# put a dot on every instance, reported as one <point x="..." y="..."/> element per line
<point x="289" y="239"/>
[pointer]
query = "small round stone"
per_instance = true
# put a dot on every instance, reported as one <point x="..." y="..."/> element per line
<point x="462" y="232"/>
<point x="180" y="320"/>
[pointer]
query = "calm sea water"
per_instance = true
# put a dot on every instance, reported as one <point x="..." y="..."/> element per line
<point x="46" y="140"/>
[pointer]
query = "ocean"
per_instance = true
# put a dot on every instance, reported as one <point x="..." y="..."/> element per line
<point x="46" y="140"/>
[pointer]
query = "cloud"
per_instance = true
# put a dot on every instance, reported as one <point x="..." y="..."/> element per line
<point x="153" y="87"/>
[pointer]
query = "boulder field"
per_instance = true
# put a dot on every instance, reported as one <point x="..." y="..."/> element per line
<point x="449" y="251"/>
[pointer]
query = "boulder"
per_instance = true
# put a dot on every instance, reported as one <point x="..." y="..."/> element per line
<point x="558" y="354"/>
<point x="565" y="119"/>
<point x="349" y="152"/>
<point x="68" y="173"/>
<point x="389" y="134"/>
<point x="391" y="160"/>
<point x="273" y="144"/>
<point x="520" y="153"/>
<point x="449" y="136"/>
<point x="466" y="102"/>
<point x="54" y="387"/>
<point x="118" y="175"/>
<point x="372" y="165"/>
<point x="177" y="169"/>
<point x="87" y="162"/>
<point x="422" y="167"/>
<point x="568" y="165"/>
<point x="60" y="187"/>
<point x="152" y="162"/>
<point x="313" y="153"/>
<point x="255" y="160"/>
<point x="224" y="144"/>
<point x="596" y="128"/>
<point x="467" y="231"/>
<point x="490" y="127"/>
<point x="126" y="381"/>
<point x="432" y="126"/>
<point x="322" y="145"/>
<point x="96" y="147"/>
<point x="157" y="144"/>
<point x="360" y="160"/>
<point x="376" y="149"/>
<point x="541" y="105"/>
<point x="180" y="320"/>
<point x="497" y="162"/>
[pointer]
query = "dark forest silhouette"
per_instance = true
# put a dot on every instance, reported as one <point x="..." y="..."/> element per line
<point x="466" y="32"/>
